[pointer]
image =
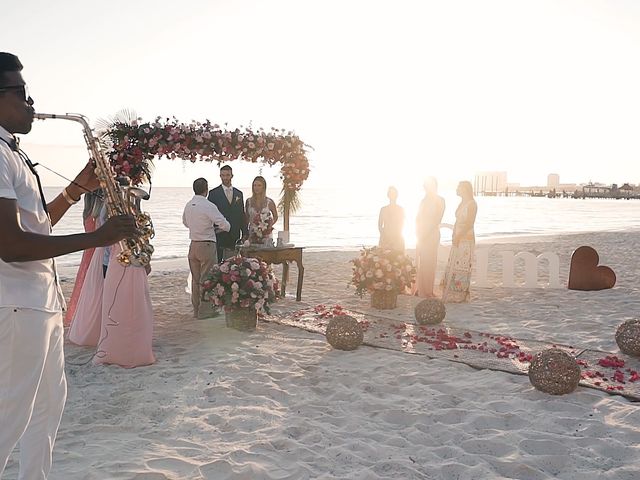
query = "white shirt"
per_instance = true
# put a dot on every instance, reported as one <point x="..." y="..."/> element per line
<point x="26" y="284"/>
<point x="228" y="192"/>
<point x="201" y="217"/>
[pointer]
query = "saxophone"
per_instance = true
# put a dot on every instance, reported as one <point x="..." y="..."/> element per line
<point x="119" y="200"/>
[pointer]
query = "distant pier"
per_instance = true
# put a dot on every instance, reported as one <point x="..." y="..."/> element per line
<point x="625" y="192"/>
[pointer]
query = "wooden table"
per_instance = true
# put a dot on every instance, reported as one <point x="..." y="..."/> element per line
<point x="280" y="255"/>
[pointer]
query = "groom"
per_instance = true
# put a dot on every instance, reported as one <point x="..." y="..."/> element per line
<point x="230" y="202"/>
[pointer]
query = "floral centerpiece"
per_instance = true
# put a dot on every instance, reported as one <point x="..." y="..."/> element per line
<point x="240" y="283"/>
<point x="261" y="227"/>
<point x="378" y="269"/>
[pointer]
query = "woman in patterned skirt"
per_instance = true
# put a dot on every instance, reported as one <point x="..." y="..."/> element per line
<point x="457" y="277"/>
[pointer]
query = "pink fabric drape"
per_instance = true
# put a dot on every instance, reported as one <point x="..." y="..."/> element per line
<point x="89" y="226"/>
<point x="127" y="316"/>
<point x="86" y="322"/>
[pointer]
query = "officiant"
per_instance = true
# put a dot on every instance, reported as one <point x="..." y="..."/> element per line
<point x="230" y="202"/>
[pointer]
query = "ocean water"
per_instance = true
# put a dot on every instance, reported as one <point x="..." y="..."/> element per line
<point x="347" y="219"/>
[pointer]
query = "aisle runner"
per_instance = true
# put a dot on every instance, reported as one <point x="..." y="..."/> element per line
<point x="612" y="373"/>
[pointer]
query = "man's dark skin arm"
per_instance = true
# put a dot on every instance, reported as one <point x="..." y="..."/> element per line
<point x="85" y="181"/>
<point x="16" y="245"/>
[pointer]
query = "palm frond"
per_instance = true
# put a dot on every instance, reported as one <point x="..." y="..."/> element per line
<point x="126" y="116"/>
<point x="289" y="201"/>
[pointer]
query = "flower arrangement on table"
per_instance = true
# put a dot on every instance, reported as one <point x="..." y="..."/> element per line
<point x="261" y="227"/>
<point x="240" y="282"/>
<point x="378" y="269"/>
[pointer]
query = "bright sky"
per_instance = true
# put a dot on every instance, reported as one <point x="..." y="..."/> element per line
<point x="390" y="90"/>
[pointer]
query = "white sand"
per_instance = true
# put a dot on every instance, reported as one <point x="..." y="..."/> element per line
<point x="280" y="403"/>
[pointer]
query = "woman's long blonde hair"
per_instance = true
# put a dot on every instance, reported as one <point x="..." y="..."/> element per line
<point x="261" y="179"/>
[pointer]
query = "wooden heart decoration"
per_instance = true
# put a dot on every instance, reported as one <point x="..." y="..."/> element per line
<point x="586" y="274"/>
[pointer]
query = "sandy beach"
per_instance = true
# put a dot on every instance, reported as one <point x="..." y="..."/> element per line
<point x="280" y="403"/>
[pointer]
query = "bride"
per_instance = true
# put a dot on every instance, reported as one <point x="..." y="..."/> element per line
<point x="261" y="213"/>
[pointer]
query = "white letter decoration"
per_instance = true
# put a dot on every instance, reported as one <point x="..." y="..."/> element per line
<point x="531" y="268"/>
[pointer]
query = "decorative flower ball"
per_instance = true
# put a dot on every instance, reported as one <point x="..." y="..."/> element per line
<point x="554" y="371"/>
<point x="344" y="333"/>
<point x="430" y="311"/>
<point x="628" y="337"/>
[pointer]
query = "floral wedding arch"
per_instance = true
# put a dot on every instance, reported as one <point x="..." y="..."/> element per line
<point x="133" y="145"/>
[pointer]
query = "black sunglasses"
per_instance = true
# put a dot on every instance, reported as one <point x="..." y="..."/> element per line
<point x="22" y="90"/>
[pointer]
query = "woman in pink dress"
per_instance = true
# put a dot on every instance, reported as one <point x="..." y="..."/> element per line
<point x="127" y="316"/>
<point x="428" y="233"/>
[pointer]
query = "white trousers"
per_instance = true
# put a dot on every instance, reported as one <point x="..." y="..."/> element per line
<point x="33" y="387"/>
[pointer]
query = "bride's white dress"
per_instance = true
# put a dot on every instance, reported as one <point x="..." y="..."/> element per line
<point x="259" y="219"/>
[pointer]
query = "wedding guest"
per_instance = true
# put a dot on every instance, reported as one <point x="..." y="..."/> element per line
<point x="262" y="213"/>
<point x="204" y="220"/>
<point x="458" y="274"/>
<point x="391" y="222"/>
<point x="428" y="221"/>
<point x="230" y="202"/>
<point x="32" y="380"/>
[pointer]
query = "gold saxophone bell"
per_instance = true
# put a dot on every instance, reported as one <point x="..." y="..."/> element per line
<point x="119" y="200"/>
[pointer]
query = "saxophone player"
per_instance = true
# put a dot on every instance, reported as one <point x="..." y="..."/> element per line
<point x="32" y="379"/>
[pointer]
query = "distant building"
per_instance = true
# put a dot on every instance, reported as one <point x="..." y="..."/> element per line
<point x="490" y="183"/>
<point x="553" y="181"/>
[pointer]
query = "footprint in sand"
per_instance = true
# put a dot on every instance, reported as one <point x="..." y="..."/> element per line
<point x="543" y="447"/>
<point x="173" y="467"/>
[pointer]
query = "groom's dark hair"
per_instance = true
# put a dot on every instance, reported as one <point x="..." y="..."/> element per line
<point x="226" y="167"/>
<point x="200" y="186"/>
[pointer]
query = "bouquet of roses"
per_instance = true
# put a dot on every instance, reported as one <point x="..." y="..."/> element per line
<point x="242" y="282"/>
<point x="261" y="226"/>
<point x="381" y="269"/>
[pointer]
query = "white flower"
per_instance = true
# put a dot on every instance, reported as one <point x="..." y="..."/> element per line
<point x="234" y="287"/>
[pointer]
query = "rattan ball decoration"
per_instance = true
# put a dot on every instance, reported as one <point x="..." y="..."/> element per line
<point x="344" y="333"/>
<point x="554" y="371"/>
<point x="628" y="337"/>
<point x="430" y="311"/>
